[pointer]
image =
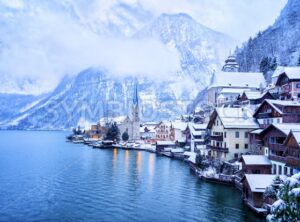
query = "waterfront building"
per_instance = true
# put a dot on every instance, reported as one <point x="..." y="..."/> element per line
<point x="277" y="111"/>
<point x="254" y="186"/>
<point x="198" y="137"/>
<point x="179" y="132"/>
<point x="165" y="146"/>
<point x="256" y="164"/>
<point x="163" y="131"/>
<point x="229" y="132"/>
<point x="147" y="131"/>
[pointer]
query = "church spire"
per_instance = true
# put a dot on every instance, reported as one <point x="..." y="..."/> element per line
<point x="135" y="93"/>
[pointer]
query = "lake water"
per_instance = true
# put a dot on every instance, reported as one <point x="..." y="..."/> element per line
<point x="43" y="178"/>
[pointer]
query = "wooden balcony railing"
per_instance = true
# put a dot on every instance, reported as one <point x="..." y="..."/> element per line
<point x="216" y="137"/>
<point x="216" y="148"/>
<point x="277" y="147"/>
<point x="277" y="158"/>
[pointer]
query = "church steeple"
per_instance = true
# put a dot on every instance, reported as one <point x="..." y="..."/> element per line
<point x="231" y="64"/>
<point x="135" y="103"/>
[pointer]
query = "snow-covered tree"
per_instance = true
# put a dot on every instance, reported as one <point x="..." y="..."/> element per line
<point x="287" y="207"/>
<point x="272" y="190"/>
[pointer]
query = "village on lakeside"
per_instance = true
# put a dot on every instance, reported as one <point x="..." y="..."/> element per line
<point x="248" y="137"/>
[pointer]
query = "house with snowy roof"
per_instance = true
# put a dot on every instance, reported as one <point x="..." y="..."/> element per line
<point x="229" y="132"/>
<point x="288" y="83"/>
<point x="198" y="137"/>
<point x="231" y="79"/>
<point x="292" y="144"/>
<point x="273" y="142"/>
<point x="256" y="164"/>
<point x="254" y="186"/>
<point x="254" y="97"/>
<point x="277" y="111"/>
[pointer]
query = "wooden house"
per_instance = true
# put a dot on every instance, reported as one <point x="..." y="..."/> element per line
<point x="256" y="164"/>
<point x="292" y="144"/>
<point x="254" y="186"/>
<point x="277" y="111"/>
<point x="289" y="83"/>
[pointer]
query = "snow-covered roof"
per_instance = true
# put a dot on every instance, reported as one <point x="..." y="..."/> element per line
<point x="237" y="118"/>
<point x="278" y="71"/>
<point x="259" y="182"/>
<point x="171" y="143"/>
<point x="296" y="135"/>
<point x="233" y="90"/>
<point x="197" y="129"/>
<point x="254" y="94"/>
<point x="292" y="72"/>
<point x="256" y="160"/>
<point x="164" y="122"/>
<point x="238" y="79"/>
<point x="257" y="131"/>
<point x="275" y="103"/>
<point x="286" y="127"/>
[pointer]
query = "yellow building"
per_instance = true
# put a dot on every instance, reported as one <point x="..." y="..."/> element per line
<point x="229" y="132"/>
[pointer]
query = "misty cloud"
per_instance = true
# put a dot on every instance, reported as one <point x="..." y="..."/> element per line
<point x="46" y="45"/>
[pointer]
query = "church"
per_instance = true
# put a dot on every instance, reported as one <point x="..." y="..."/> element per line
<point x="129" y="123"/>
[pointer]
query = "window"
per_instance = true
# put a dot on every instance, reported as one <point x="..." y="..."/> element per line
<point x="246" y="134"/>
<point x="298" y="85"/>
<point x="246" y="145"/>
<point x="298" y="95"/>
<point x="278" y="120"/>
<point x="236" y="155"/>
<point x="237" y="146"/>
<point x="217" y="122"/>
<point x="237" y="134"/>
<point x="224" y="144"/>
<point x="224" y="134"/>
<point x="279" y="169"/>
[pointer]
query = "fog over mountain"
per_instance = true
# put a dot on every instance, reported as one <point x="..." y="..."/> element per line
<point x="67" y="60"/>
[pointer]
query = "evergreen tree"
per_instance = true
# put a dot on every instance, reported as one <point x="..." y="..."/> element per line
<point x="125" y="136"/>
<point x="271" y="191"/>
<point x="264" y="65"/>
<point x="287" y="207"/>
<point x="113" y="132"/>
<point x="273" y="65"/>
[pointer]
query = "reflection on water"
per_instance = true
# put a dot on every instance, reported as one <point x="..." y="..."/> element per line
<point x="151" y="167"/>
<point x="86" y="184"/>
<point x="126" y="162"/>
<point x="138" y="162"/>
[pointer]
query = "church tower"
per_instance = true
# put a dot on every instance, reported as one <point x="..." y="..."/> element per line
<point x="135" y="117"/>
<point x="231" y="64"/>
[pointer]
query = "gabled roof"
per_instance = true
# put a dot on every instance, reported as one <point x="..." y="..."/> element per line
<point x="259" y="182"/>
<point x="276" y="104"/>
<point x="285" y="128"/>
<point x="235" y="118"/>
<point x="292" y="73"/>
<point x="252" y="95"/>
<point x="256" y="160"/>
<point x="295" y="134"/>
<point x="165" y="122"/>
<point x="238" y="79"/>
<point x="197" y="129"/>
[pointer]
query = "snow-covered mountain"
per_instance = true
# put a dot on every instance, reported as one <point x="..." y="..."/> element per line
<point x="281" y="40"/>
<point x="94" y="92"/>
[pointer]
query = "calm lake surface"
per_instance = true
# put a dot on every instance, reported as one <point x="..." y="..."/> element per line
<point x="43" y="178"/>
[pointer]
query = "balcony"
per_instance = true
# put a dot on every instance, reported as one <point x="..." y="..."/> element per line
<point x="277" y="147"/>
<point x="277" y="158"/>
<point x="293" y="162"/>
<point x="216" y="148"/>
<point x="216" y="137"/>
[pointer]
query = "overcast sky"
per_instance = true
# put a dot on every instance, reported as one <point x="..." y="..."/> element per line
<point x="238" y="18"/>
